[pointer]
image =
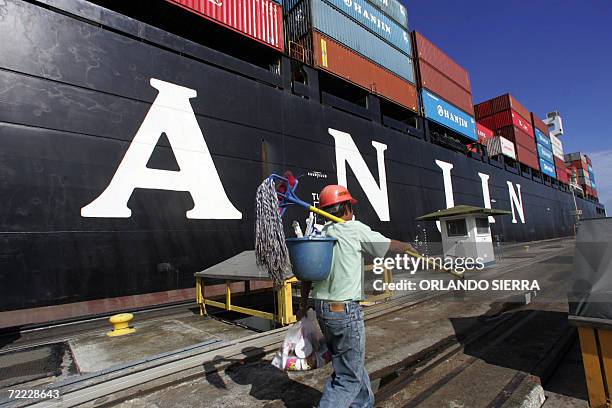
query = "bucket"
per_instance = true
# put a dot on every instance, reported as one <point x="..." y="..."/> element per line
<point x="311" y="258"/>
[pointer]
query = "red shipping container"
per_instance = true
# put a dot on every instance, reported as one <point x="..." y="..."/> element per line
<point x="261" y="20"/>
<point x="483" y="133"/>
<point x="563" y="175"/>
<point x="509" y="118"/>
<point x="488" y="122"/>
<point x="539" y="124"/>
<point x="426" y="51"/>
<point x="517" y="136"/>
<point x="579" y="165"/>
<point x="439" y="84"/>
<point x="507" y="101"/>
<point x="333" y="57"/>
<point x="483" y="109"/>
<point x="527" y="157"/>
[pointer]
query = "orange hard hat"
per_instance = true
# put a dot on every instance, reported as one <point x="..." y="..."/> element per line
<point x="334" y="194"/>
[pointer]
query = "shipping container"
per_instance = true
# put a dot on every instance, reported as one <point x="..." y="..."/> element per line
<point x="483" y="133"/>
<point x="336" y="25"/>
<point x="376" y="22"/>
<point x="394" y="9"/>
<point x="333" y="57"/>
<point x="544" y="153"/>
<point x="557" y="147"/>
<point x="527" y="157"/>
<point x="506" y="102"/>
<point x="435" y="57"/>
<point x="517" y="136"/>
<point x="563" y="173"/>
<point x="548" y="168"/>
<point x="444" y="113"/>
<point x="483" y="109"/>
<point x="497" y="145"/>
<point x="510" y="117"/>
<point x="488" y="122"/>
<point x="543" y="139"/>
<point x="539" y="124"/>
<point x="435" y="81"/>
<point x="261" y="20"/>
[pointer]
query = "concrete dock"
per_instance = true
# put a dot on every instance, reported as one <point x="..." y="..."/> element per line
<point x="451" y="350"/>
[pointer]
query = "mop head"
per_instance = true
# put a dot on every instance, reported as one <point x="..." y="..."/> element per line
<point x="271" y="251"/>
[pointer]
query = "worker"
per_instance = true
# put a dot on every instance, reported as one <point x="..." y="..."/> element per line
<point x="336" y="299"/>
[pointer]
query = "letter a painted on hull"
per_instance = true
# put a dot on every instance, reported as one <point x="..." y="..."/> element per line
<point x="172" y="114"/>
<point x="516" y="202"/>
<point x="347" y="152"/>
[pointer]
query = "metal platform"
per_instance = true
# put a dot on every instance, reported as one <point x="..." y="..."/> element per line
<point x="243" y="268"/>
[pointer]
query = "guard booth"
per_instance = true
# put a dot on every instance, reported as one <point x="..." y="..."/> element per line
<point x="466" y="232"/>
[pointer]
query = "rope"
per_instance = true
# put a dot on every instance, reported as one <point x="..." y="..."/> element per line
<point x="271" y="251"/>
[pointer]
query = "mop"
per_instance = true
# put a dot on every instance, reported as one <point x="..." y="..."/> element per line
<point x="271" y="253"/>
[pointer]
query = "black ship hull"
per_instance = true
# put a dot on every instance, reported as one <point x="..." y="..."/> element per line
<point x="77" y="83"/>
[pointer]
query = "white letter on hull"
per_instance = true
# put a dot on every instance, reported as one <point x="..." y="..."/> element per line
<point x="347" y="152"/>
<point x="484" y="180"/>
<point x="170" y="113"/>
<point x="516" y="201"/>
<point x="448" y="185"/>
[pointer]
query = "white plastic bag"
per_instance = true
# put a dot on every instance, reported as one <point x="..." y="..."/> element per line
<point x="304" y="346"/>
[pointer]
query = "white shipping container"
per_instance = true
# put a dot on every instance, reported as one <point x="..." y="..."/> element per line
<point x="557" y="147"/>
<point x="499" y="145"/>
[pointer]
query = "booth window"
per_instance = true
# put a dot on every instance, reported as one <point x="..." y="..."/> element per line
<point x="456" y="228"/>
<point x="482" y="226"/>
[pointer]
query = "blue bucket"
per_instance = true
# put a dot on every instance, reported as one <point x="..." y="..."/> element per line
<point x="311" y="258"/>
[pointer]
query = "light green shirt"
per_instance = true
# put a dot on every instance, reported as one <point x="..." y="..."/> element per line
<point x="345" y="281"/>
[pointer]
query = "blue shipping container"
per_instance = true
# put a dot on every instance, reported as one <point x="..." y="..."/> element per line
<point x="591" y="176"/>
<point x="393" y="9"/>
<point x="438" y="110"/>
<point x="336" y="25"/>
<point x="543" y="139"/>
<point x="545" y="154"/>
<point x="547" y="168"/>
<point x="375" y="21"/>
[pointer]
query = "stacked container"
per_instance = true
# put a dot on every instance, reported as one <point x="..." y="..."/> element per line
<point x="543" y="146"/>
<point x="364" y="43"/>
<point x="261" y="20"/>
<point x="445" y="88"/>
<point x="582" y="166"/>
<point x="508" y="118"/>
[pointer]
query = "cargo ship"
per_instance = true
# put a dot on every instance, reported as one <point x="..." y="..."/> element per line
<point x="134" y="135"/>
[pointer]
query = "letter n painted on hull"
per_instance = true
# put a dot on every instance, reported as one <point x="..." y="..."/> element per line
<point x="516" y="202"/>
<point x="347" y="152"/>
<point x="172" y="114"/>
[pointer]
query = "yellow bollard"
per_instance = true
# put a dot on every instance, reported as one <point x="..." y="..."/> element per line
<point x="121" y="324"/>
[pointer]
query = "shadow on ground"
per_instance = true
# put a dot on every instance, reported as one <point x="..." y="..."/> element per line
<point x="267" y="382"/>
<point x="525" y="341"/>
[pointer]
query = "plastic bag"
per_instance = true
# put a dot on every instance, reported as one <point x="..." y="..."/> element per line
<point x="304" y="347"/>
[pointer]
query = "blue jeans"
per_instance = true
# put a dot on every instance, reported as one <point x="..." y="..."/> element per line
<point x="349" y="385"/>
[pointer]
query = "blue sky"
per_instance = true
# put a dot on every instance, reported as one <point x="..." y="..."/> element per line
<point x="550" y="54"/>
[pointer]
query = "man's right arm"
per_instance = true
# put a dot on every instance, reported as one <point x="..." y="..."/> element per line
<point x="399" y="247"/>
